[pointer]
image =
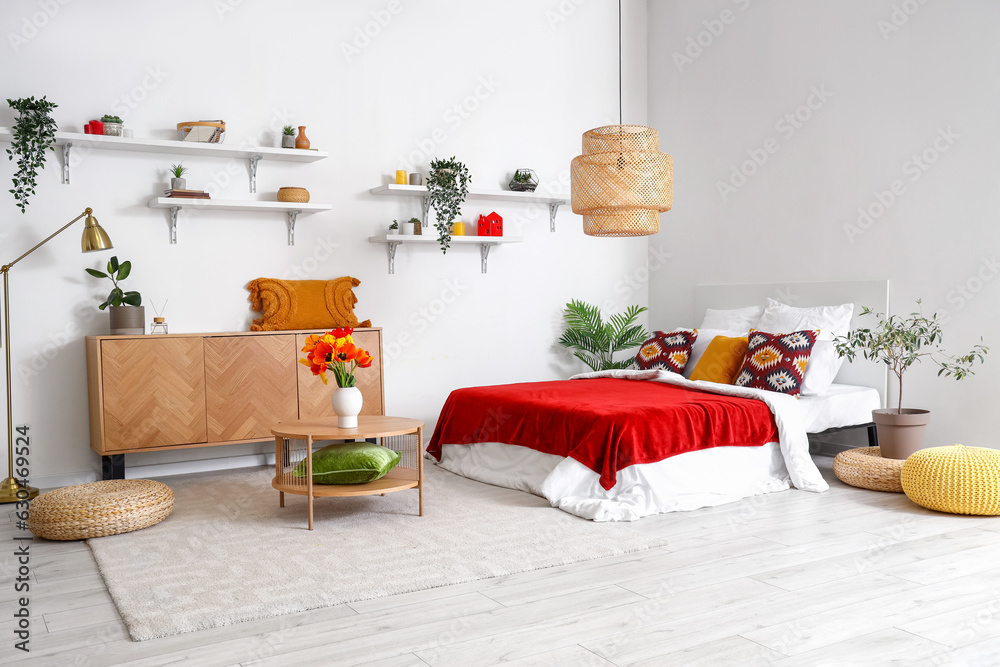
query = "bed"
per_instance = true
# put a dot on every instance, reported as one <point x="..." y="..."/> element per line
<point x="544" y="438"/>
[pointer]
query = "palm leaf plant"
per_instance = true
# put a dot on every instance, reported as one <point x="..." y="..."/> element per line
<point x="594" y="341"/>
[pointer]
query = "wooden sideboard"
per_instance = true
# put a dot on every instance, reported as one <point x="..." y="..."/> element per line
<point x="156" y="392"/>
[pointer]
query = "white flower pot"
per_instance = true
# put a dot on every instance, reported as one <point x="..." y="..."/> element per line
<point x="407" y="228"/>
<point x="347" y="402"/>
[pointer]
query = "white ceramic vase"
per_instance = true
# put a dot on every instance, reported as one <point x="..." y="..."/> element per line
<point x="347" y="402"/>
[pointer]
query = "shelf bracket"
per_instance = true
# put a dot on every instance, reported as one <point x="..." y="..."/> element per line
<point x="391" y="249"/>
<point x="253" y="160"/>
<point x="292" y="215"/>
<point x="173" y="224"/>
<point x="553" y="209"/>
<point x="484" y="252"/>
<point x="427" y="210"/>
<point x="66" y="151"/>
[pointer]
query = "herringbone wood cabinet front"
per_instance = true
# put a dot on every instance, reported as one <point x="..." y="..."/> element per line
<point x="196" y="390"/>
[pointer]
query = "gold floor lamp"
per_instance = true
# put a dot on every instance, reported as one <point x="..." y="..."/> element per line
<point x="94" y="238"/>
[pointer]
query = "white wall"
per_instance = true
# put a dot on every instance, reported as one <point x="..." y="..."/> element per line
<point x="551" y="69"/>
<point x="892" y="94"/>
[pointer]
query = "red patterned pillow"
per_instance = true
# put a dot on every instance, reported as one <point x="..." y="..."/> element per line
<point x="777" y="362"/>
<point x="666" y="350"/>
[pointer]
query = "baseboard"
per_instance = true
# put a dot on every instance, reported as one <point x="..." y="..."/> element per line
<point x="49" y="482"/>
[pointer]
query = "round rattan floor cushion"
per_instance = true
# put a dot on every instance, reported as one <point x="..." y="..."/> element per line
<point x="955" y="479"/>
<point x="99" y="508"/>
<point x="865" y="468"/>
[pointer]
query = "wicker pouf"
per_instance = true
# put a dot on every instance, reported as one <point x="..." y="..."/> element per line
<point x="865" y="468"/>
<point x="99" y="508"/>
<point x="955" y="479"/>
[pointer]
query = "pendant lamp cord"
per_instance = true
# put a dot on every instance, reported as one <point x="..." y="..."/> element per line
<point x="619" y="62"/>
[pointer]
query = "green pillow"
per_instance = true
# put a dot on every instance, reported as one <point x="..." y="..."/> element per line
<point x="349" y="463"/>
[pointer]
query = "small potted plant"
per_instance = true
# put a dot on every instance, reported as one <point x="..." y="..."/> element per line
<point x="128" y="317"/>
<point x="112" y="126"/>
<point x="408" y="228"/>
<point x="288" y="137"/>
<point x="394" y="228"/>
<point x="899" y="343"/>
<point x="178" y="182"/>
<point x="594" y="341"/>
<point x="524" y="180"/>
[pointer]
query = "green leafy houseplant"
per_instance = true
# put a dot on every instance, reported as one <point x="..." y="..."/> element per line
<point x="394" y="225"/>
<point x="111" y="119"/>
<point x="116" y="273"/>
<point x="288" y="131"/>
<point x="900" y="342"/>
<point x="178" y="170"/>
<point x="447" y="187"/>
<point x="595" y="341"/>
<point x="34" y="133"/>
<point x="522" y="176"/>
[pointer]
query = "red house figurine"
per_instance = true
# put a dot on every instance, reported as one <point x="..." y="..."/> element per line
<point x="491" y="225"/>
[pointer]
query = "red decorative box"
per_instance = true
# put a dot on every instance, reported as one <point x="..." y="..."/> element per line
<point x="491" y="225"/>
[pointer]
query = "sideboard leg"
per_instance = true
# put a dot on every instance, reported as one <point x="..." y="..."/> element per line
<point x="113" y="467"/>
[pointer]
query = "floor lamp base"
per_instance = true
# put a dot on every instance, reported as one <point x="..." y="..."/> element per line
<point x="11" y="491"/>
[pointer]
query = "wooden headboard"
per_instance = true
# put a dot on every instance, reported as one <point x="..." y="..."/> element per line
<point x="871" y="293"/>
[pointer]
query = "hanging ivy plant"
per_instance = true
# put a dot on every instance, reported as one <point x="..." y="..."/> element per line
<point x="34" y="133"/>
<point x="447" y="187"/>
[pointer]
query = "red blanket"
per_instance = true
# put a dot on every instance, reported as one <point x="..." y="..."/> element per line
<point x="606" y="424"/>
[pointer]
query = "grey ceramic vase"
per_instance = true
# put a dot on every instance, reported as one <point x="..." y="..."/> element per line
<point x="127" y="320"/>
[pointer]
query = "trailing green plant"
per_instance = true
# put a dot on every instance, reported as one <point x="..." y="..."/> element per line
<point x="900" y="342"/>
<point x="34" y="133"/>
<point x="447" y="188"/>
<point x="116" y="273"/>
<point x="111" y="119"/>
<point x="288" y="130"/>
<point x="178" y="170"/>
<point x="594" y="341"/>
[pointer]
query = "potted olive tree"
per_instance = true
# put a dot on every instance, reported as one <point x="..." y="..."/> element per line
<point x="899" y="343"/>
<point x="127" y="313"/>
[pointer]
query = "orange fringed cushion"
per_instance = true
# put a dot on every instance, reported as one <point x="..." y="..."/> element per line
<point x="722" y="360"/>
<point x="304" y="304"/>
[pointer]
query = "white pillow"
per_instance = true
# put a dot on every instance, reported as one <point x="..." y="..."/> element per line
<point x="705" y="337"/>
<point x="737" y="321"/>
<point x="824" y="364"/>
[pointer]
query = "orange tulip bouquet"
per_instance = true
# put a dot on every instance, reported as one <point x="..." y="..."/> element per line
<point x="335" y="351"/>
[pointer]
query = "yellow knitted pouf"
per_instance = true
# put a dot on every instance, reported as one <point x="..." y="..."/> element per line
<point x="955" y="479"/>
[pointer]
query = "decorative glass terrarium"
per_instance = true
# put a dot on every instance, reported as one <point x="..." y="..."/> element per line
<point x="524" y="180"/>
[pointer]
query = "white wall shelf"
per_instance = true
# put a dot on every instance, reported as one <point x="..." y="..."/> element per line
<point x="393" y="241"/>
<point x="252" y="154"/>
<point x="175" y="204"/>
<point x="498" y="195"/>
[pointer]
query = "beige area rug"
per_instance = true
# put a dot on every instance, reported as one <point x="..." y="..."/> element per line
<point x="229" y="554"/>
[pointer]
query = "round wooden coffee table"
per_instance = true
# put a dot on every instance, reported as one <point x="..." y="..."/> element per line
<point x="293" y="442"/>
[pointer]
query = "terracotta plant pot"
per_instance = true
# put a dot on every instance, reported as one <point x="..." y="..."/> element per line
<point x="127" y="320"/>
<point x="900" y="433"/>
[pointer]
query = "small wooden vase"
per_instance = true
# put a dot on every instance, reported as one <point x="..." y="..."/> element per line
<point x="301" y="140"/>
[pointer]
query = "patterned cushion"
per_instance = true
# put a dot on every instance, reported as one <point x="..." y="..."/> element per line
<point x="777" y="362"/>
<point x="666" y="350"/>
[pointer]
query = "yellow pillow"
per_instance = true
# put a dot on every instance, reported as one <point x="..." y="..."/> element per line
<point x="304" y="304"/>
<point x="722" y="360"/>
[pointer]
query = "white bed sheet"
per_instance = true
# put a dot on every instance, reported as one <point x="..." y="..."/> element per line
<point x="841" y="405"/>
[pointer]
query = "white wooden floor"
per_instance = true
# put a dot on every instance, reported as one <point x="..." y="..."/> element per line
<point x="848" y="577"/>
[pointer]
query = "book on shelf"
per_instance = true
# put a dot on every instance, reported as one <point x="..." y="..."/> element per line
<point x="187" y="194"/>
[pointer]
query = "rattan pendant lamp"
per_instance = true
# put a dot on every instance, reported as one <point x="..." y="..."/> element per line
<point x="622" y="182"/>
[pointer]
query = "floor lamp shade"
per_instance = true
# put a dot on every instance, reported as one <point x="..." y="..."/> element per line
<point x="622" y="182"/>
<point x="94" y="236"/>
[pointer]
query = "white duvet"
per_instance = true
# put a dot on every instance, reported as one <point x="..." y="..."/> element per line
<point x="687" y="481"/>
